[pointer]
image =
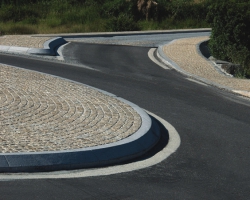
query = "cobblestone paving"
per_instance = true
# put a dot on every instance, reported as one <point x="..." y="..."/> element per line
<point x="23" y="41"/>
<point x="40" y="112"/>
<point x="184" y="53"/>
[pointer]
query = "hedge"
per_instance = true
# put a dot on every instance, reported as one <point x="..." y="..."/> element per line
<point x="230" y="38"/>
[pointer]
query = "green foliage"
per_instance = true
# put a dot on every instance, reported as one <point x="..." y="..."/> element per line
<point x="230" y="38"/>
<point x="22" y="29"/>
<point x="122" y="23"/>
<point x="99" y="15"/>
<point x="16" y="14"/>
<point x="117" y="7"/>
<point x="186" y="9"/>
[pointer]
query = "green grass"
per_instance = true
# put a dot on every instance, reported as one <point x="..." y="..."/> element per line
<point x="65" y="16"/>
<point x="172" y="24"/>
<point x="17" y="28"/>
<point x="57" y="25"/>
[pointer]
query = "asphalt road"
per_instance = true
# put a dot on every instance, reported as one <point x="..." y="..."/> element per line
<point x="213" y="160"/>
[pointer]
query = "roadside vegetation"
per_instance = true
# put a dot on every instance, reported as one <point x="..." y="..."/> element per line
<point x="229" y="20"/>
<point x="57" y="16"/>
<point x="230" y="39"/>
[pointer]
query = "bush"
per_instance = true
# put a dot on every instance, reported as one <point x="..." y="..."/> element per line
<point x="21" y="29"/>
<point x="118" y="7"/>
<point x="230" y="38"/>
<point x="101" y="15"/>
<point x="17" y="14"/>
<point x="122" y="23"/>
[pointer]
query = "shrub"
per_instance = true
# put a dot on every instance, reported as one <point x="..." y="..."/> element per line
<point x="21" y="29"/>
<point x="230" y="38"/>
<point x="117" y="7"/>
<point x="17" y="14"/>
<point x="102" y="15"/>
<point x="122" y="23"/>
<point x="183" y="9"/>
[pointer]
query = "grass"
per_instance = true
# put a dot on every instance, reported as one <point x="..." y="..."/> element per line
<point x="17" y="28"/>
<point x="172" y="24"/>
<point x="62" y="16"/>
<point x="55" y="25"/>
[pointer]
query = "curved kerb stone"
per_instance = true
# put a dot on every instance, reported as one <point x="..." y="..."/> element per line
<point x="102" y="155"/>
<point x="49" y="47"/>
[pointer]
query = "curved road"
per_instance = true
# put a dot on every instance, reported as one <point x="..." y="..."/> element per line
<point x="213" y="160"/>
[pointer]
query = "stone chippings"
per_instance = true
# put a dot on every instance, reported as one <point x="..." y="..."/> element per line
<point x="23" y="41"/>
<point x="40" y="112"/>
<point x="184" y="53"/>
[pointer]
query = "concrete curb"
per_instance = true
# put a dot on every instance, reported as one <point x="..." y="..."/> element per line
<point x="171" y="137"/>
<point x="203" y="51"/>
<point x="131" y="147"/>
<point x="49" y="48"/>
